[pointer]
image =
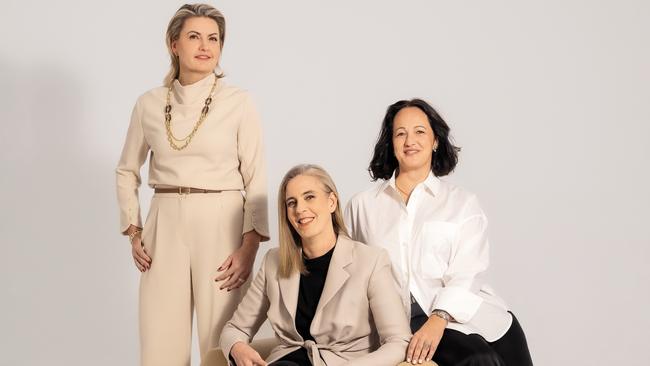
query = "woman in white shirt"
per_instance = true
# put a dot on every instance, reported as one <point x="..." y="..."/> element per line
<point x="436" y="235"/>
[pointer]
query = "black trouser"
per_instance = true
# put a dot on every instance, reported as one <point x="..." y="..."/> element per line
<point x="460" y="349"/>
<point x="298" y="357"/>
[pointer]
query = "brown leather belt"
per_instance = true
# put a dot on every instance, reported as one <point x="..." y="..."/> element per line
<point x="185" y="190"/>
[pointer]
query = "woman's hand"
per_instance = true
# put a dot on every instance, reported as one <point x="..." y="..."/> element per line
<point x="140" y="256"/>
<point x="239" y="265"/>
<point x="245" y="355"/>
<point x="425" y="341"/>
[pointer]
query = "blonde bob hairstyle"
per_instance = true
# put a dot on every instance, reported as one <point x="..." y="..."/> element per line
<point x="290" y="241"/>
<point x="176" y="25"/>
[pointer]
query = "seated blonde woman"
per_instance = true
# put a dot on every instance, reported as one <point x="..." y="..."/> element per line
<point x="330" y="300"/>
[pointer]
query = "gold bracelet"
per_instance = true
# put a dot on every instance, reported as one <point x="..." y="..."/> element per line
<point x="133" y="234"/>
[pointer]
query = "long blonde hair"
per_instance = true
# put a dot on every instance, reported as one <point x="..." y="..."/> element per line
<point x="290" y="241"/>
<point x="176" y="25"/>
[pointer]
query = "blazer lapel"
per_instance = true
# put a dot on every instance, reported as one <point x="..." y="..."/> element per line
<point x="336" y="274"/>
<point x="289" y="287"/>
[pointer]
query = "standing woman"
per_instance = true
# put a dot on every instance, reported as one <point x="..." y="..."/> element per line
<point x="199" y="242"/>
<point x="436" y="234"/>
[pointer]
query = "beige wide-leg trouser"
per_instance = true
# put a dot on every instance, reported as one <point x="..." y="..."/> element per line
<point x="187" y="236"/>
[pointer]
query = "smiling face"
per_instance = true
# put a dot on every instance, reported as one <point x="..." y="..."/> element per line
<point x="198" y="46"/>
<point x="413" y="139"/>
<point x="310" y="208"/>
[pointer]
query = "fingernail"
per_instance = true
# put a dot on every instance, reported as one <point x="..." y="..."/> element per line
<point x="408" y="360"/>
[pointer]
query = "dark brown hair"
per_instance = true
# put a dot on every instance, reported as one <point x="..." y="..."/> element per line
<point x="443" y="160"/>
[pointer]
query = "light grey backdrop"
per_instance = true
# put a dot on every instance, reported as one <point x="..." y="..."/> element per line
<point x="549" y="101"/>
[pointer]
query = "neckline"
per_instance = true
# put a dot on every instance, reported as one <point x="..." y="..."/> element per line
<point x="195" y="92"/>
<point x="323" y="257"/>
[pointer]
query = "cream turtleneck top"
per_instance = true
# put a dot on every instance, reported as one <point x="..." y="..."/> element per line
<point x="225" y="154"/>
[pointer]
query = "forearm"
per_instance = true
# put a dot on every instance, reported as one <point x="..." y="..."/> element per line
<point x="251" y="239"/>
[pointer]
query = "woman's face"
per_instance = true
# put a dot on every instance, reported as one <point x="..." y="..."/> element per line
<point x="309" y="207"/>
<point x="198" y="47"/>
<point x="413" y="139"/>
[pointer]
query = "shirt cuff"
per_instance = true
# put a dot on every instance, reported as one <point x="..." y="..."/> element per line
<point x="458" y="302"/>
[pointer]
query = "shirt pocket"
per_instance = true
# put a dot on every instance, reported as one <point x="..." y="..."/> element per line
<point x="434" y="244"/>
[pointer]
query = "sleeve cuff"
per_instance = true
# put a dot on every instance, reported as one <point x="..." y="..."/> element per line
<point x="227" y="348"/>
<point x="458" y="302"/>
<point x="127" y="221"/>
<point x="251" y="222"/>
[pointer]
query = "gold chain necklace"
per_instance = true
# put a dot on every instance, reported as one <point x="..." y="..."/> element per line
<point x="168" y="119"/>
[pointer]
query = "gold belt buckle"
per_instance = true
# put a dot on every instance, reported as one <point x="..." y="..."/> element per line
<point x="188" y="190"/>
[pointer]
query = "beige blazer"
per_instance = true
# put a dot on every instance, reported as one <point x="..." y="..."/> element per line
<point x="359" y="319"/>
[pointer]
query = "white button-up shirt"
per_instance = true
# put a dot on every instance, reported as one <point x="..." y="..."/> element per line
<point x="439" y="248"/>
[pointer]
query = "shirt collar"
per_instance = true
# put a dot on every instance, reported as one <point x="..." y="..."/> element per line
<point x="386" y="184"/>
<point x="431" y="183"/>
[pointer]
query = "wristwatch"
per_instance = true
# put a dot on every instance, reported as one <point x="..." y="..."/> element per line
<point x="442" y="314"/>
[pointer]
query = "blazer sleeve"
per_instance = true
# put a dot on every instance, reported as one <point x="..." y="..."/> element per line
<point x="389" y="316"/>
<point x="469" y="259"/>
<point x="250" y="314"/>
<point x="134" y="154"/>
<point x="252" y="167"/>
